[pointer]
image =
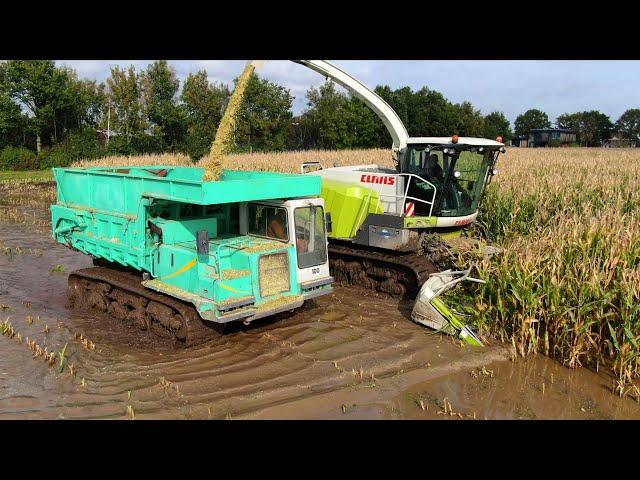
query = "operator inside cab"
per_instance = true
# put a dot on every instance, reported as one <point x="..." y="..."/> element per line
<point x="277" y="226"/>
<point x="432" y="169"/>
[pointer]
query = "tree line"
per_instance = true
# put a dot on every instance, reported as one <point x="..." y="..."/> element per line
<point x="50" y="117"/>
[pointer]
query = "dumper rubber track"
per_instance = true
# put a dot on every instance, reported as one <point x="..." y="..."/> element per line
<point x="120" y="294"/>
<point x="397" y="274"/>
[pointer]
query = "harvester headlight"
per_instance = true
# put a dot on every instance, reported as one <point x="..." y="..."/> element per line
<point x="494" y="171"/>
<point x="456" y="174"/>
<point x="503" y="150"/>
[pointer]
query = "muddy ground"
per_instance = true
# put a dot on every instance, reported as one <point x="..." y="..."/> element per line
<point x="351" y="355"/>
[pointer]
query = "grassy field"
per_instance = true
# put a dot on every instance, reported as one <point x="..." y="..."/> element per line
<point x="25" y="176"/>
<point x="568" y="282"/>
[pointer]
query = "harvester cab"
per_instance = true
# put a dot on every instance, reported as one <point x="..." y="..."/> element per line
<point x="437" y="185"/>
<point x="448" y="178"/>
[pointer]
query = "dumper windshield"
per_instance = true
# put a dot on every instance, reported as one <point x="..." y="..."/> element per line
<point x="311" y="240"/>
<point x="269" y="222"/>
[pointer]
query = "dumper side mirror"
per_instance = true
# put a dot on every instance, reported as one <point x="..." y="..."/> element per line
<point x="202" y="241"/>
<point x="328" y="222"/>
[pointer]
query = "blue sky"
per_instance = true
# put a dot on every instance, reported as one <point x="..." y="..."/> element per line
<point x="512" y="87"/>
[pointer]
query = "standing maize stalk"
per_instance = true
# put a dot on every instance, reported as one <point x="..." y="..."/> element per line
<point x="213" y="164"/>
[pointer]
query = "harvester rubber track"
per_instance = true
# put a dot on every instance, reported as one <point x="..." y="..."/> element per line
<point x="399" y="274"/>
<point x="120" y="294"/>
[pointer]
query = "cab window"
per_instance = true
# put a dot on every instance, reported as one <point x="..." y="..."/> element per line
<point x="311" y="240"/>
<point x="269" y="222"/>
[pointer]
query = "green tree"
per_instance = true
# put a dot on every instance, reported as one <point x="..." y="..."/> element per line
<point x="301" y="133"/>
<point x="125" y="102"/>
<point x="596" y="128"/>
<point x="44" y="91"/>
<point x="367" y="129"/>
<point x="327" y="119"/>
<point x="591" y="127"/>
<point x="496" y="124"/>
<point x="529" y="120"/>
<point x="335" y="120"/>
<point x="12" y="123"/>
<point x="92" y="103"/>
<point x="429" y="113"/>
<point x="204" y="103"/>
<point x="628" y="125"/>
<point x="400" y="100"/>
<point x="264" y="116"/>
<point x="469" y="121"/>
<point x="160" y="86"/>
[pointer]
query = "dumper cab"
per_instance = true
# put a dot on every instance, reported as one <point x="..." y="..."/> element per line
<point x="250" y="245"/>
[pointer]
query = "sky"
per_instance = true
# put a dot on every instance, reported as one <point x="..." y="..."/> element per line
<point x="555" y="87"/>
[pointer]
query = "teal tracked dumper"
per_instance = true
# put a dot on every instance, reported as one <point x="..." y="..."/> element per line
<point x="173" y="253"/>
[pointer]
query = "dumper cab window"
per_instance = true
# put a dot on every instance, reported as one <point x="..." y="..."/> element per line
<point x="311" y="240"/>
<point x="269" y="222"/>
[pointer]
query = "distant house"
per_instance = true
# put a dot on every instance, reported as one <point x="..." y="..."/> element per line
<point x="545" y="137"/>
<point x="618" y="142"/>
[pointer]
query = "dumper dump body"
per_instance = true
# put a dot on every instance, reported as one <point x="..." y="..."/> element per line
<point x="197" y="240"/>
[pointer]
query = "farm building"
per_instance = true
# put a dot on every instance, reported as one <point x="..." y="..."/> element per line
<point x="545" y="137"/>
<point x="618" y="142"/>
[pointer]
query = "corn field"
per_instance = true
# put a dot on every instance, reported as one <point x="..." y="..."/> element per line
<point x="568" y="282"/>
<point x="285" y="162"/>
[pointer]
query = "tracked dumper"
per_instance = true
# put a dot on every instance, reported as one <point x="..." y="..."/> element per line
<point x="176" y="255"/>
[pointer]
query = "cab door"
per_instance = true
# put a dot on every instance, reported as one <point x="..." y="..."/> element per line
<point x="308" y="235"/>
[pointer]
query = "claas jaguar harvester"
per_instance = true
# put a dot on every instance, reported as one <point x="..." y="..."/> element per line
<point x="380" y="216"/>
<point x="175" y="254"/>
